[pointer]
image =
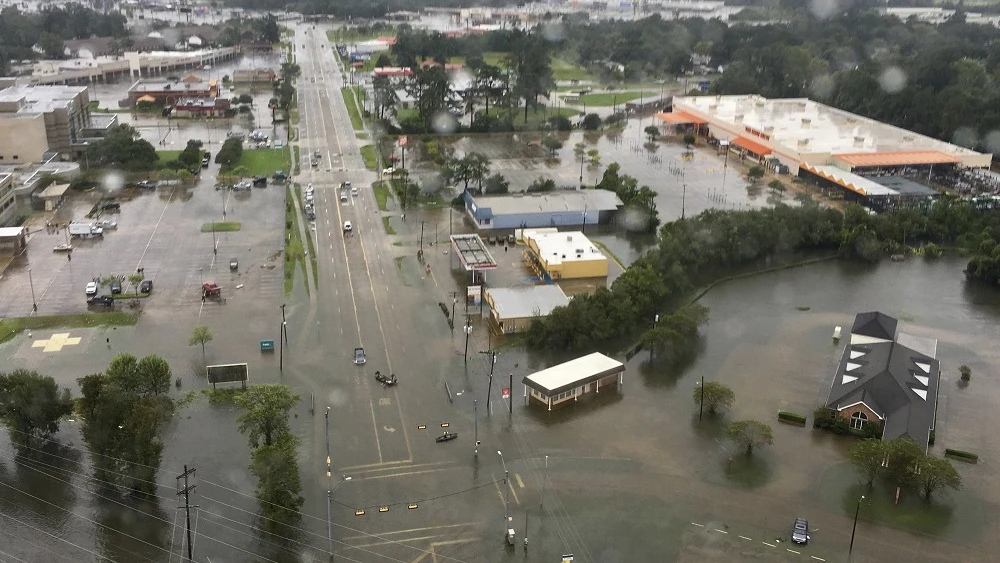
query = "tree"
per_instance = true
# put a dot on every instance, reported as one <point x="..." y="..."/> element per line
<point x="675" y="337"/>
<point x="689" y="138"/>
<point x="30" y="407"/>
<point x="541" y="185"/>
<point x="201" y="334"/>
<point x="750" y="434"/>
<point x="552" y="143"/>
<point x="135" y="279"/>
<point x="754" y="174"/>
<point x="279" y="486"/>
<point x="433" y="95"/>
<point x="496" y="184"/>
<point x="868" y="457"/>
<point x="265" y="413"/>
<point x="776" y="186"/>
<point x="122" y="147"/>
<point x="560" y="123"/>
<point x="591" y="122"/>
<point x="902" y="458"/>
<point x="246" y="99"/>
<point x="123" y="411"/>
<point x="51" y="45"/>
<point x="652" y="133"/>
<point x="230" y="153"/>
<point x="191" y="155"/>
<point x="594" y="156"/>
<point x="531" y="64"/>
<point x="715" y="396"/>
<point x="936" y="473"/>
<point x="382" y="61"/>
<point x="384" y="96"/>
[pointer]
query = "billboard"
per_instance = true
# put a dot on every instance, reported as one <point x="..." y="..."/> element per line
<point x="474" y="295"/>
<point x="228" y="373"/>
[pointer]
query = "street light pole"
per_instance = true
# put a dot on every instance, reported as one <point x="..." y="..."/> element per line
<point x="327" y="417"/>
<point x="468" y="331"/>
<point x="475" y="416"/>
<point x="284" y="323"/>
<point x="510" y="393"/>
<point x="855" y="528"/>
<point x="34" y="303"/>
<point x="701" y="401"/>
<point x="506" y="494"/>
<point x="329" y="522"/>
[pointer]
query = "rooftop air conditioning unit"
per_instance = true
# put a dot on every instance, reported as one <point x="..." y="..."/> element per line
<point x="769" y="129"/>
<point x="760" y="103"/>
<point x="579" y="252"/>
<point x="738" y="118"/>
<point x="803" y="143"/>
<point x="806" y="122"/>
<point x="713" y="107"/>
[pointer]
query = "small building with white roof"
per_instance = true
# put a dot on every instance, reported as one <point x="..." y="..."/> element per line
<point x="566" y="382"/>
<point x="513" y="308"/>
<point x="563" y="255"/>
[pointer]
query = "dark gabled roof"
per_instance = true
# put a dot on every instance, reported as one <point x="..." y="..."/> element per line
<point x="897" y="382"/>
<point x="875" y="325"/>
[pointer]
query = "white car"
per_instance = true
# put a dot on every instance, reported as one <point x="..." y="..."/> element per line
<point x="347" y="226"/>
<point x="108" y="224"/>
<point x="91" y="289"/>
<point x="354" y="190"/>
<point x="389" y="171"/>
<point x="343" y="197"/>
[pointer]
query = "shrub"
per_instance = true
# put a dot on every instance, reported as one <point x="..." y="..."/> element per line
<point x="823" y="417"/>
<point x="966" y="372"/>
<point x="930" y="442"/>
<point x="841" y="426"/>
<point x="961" y="455"/>
<point x="792" y="418"/>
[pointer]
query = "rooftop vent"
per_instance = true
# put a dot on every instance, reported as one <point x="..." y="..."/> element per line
<point x="713" y="107"/>
<point x="803" y="143"/>
<point x="569" y="238"/>
<point x="806" y="122"/>
<point x="738" y="118"/>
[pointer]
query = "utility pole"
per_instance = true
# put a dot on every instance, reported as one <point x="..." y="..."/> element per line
<point x="186" y="491"/>
<point x="475" y="409"/>
<point x="489" y="391"/>
<point x="468" y="331"/>
<point x="454" y="301"/>
<point x="421" y="238"/>
<point x="510" y="393"/>
<point x="701" y="401"/>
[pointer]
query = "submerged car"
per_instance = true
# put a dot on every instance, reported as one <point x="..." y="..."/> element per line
<point x="146" y="286"/>
<point x="359" y="356"/>
<point x="91" y="288"/>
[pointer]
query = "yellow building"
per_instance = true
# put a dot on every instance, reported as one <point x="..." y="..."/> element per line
<point x="564" y="255"/>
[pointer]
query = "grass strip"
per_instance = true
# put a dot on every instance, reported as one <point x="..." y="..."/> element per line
<point x="221" y="227"/>
<point x="352" y="109"/>
<point x="11" y="326"/>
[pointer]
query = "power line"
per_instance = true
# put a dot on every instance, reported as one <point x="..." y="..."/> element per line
<point x="33" y="544"/>
<point x="53" y="536"/>
<point x="13" y="557"/>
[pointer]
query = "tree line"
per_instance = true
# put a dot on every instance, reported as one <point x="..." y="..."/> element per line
<point x="692" y="252"/>
<point x="49" y="27"/>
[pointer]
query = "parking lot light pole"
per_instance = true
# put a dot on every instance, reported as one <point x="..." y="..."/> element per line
<point x="327" y="423"/>
<point x="329" y="524"/>
<point x="855" y="528"/>
<point x="31" y="283"/>
<point x="468" y="331"/>
<point x="701" y="398"/>
<point x="506" y="494"/>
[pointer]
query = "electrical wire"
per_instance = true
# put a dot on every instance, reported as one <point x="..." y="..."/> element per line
<point x="33" y="544"/>
<point x="53" y="536"/>
<point x="14" y="557"/>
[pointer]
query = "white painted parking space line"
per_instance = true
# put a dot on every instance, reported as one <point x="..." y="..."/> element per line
<point x="697" y="524"/>
<point x="721" y="531"/>
<point x="792" y="551"/>
<point x="768" y="544"/>
<point x="817" y="558"/>
<point x="520" y="483"/>
<point x="745" y="538"/>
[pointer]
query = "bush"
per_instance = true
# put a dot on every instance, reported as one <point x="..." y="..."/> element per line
<point x="961" y="455"/>
<point x="966" y="372"/>
<point x="930" y="441"/>
<point x="823" y="417"/>
<point x="792" y="418"/>
<point x="840" y="426"/>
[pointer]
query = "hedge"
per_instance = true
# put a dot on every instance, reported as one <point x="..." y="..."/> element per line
<point x="792" y="418"/>
<point x="961" y="456"/>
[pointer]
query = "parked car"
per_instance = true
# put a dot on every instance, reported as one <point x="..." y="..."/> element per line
<point x="343" y="198"/>
<point x="260" y="181"/>
<point x="146" y="185"/>
<point x="146" y="286"/>
<point x="91" y="288"/>
<point x="800" y="531"/>
<point x="348" y="227"/>
<point x="105" y="300"/>
<point x="116" y="287"/>
<point x="205" y="161"/>
<point x="107" y="224"/>
<point x="311" y="215"/>
<point x="354" y="190"/>
<point x="359" y="356"/>
<point x="112" y="206"/>
<point x="279" y="175"/>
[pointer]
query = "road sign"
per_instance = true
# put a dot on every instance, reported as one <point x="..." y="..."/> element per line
<point x="505" y="392"/>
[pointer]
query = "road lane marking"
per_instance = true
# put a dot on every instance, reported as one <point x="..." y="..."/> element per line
<point x="513" y="492"/>
<point x="368" y="469"/>
<point x="721" y="531"/>
<point x="745" y="538"/>
<point x="768" y="544"/>
<point x="409" y="530"/>
<point x="378" y="445"/>
<point x="406" y="473"/>
<point x="520" y="483"/>
<point x="496" y="483"/>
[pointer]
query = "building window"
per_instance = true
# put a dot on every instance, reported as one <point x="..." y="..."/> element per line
<point x="15" y="157"/>
<point x="858" y="420"/>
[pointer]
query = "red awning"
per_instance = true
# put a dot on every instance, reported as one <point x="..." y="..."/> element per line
<point x="752" y="146"/>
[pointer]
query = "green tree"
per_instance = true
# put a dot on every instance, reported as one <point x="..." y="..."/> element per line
<point x="135" y="279"/>
<point x="552" y="143"/>
<point x="279" y="485"/>
<point x="191" y="155"/>
<point x="868" y="458"/>
<point x="495" y="185"/>
<point x="265" y="413"/>
<point x="530" y="62"/>
<point x="675" y="337"/>
<point x="51" y="45"/>
<point x="123" y="411"/>
<point x="689" y="138"/>
<point x="384" y="96"/>
<point x="30" y="407"/>
<point x="433" y="95"/>
<point x="652" y="133"/>
<point x="715" y="396"/>
<point x="541" y="185"/>
<point x="245" y="99"/>
<point x="594" y="156"/>
<point x="591" y="122"/>
<point x="902" y="459"/>
<point x="754" y="174"/>
<point x="200" y="334"/>
<point x="749" y="434"/>
<point x="230" y="153"/>
<point x="122" y="147"/>
<point x="936" y="473"/>
<point x="776" y="186"/>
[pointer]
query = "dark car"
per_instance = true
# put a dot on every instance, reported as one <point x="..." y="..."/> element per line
<point x="116" y="287"/>
<point x="146" y="286"/>
<point x="111" y="206"/>
<point x="105" y="300"/>
<point x="311" y="215"/>
<point x="146" y="185"/>
<point x="800" y="531"/>
<point x="280" y="175"/>
<point x="260" y="181"/>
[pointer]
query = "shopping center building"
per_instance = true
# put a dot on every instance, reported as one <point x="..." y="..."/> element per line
<point x="825" y="145"/>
